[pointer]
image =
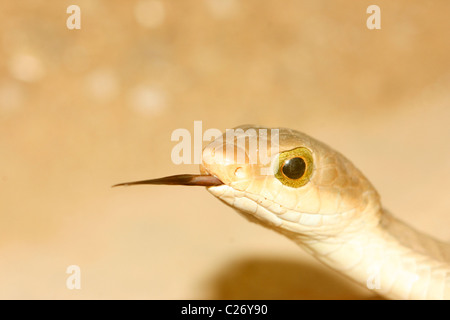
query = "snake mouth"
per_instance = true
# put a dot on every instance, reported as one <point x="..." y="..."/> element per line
<point x="202" y="180"/>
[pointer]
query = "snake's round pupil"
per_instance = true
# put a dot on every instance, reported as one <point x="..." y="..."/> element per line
<point x="294" y="168"/>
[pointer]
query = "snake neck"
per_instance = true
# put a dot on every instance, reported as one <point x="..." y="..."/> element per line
<point x="387" y="256"/>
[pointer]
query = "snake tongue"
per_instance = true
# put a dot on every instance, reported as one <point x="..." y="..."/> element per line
<point x="181" y="180"/>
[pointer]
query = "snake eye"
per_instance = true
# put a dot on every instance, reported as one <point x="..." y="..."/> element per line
<point x="295" y="167"/>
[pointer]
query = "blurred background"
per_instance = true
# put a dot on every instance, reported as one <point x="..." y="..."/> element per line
<point x="81" y="110"/>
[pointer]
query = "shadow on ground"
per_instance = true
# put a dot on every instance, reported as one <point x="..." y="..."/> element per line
<point x="264" y="278"/>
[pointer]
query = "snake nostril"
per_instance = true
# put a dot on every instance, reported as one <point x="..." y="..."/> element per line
<point x="239" y="173"/>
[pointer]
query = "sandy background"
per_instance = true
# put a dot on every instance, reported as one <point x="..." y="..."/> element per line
<point x="81" y="110"/>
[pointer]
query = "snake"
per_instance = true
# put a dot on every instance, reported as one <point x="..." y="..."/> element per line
<point x="312" y="194"/>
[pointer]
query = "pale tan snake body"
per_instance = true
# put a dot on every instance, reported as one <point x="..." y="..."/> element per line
<point x="319" y="199"/>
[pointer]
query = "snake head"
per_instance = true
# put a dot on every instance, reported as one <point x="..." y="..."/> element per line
<point x="288" y="181"/>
